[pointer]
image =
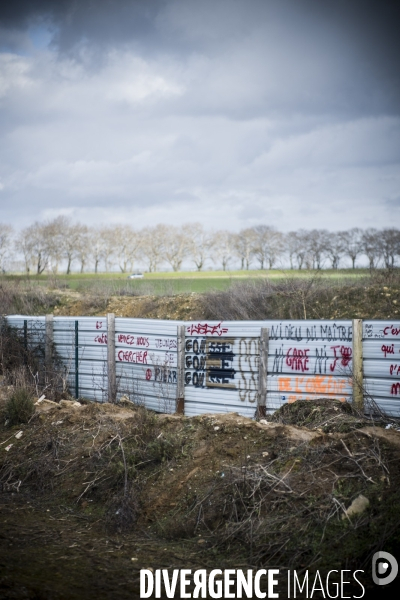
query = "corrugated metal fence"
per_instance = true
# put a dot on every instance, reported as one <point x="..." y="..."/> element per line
<point x="200" y="367"/>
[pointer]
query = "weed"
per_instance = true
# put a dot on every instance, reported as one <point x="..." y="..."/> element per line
<point x="19" y="407"/>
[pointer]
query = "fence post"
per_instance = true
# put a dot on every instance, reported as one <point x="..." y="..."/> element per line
<point x="111" y="374"/>
<point x="26" y="341"/>
<point x="48" y="346"/>
<point x="76" y="359"/>
<point x="262" y="372"/>
<point x="358" y="388"/>
<point x="180" y="388"/>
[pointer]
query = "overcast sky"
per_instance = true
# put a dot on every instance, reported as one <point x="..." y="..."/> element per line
<point x="230" y="113"/>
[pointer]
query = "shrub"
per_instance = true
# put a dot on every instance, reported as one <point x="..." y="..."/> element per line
<point x="19" y="407"/>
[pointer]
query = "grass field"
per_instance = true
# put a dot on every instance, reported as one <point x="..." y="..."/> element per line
<point x="169" y="283"/>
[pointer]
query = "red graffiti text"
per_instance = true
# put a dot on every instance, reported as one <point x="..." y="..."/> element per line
<point x="390" y="330"/>
<point x="206" y="329"/>
<point x="126" y="339"/>
<point x="387" y="349"/>
<point x="394" y="369"/>
<point x="101" y="339"/>
<point x="298" y="359"/>
<point x="133" y="357"/>
<point x="341" y="354"/>
<point x="99" y="324"/>
<point x="395" y="389"/>
<point x="148" y="374"/>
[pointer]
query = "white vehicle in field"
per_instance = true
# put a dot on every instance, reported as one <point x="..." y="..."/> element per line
<point x="136" y="276"/>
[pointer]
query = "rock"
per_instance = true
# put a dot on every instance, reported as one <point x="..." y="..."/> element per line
<point x="45" y="401"/>
<point x="70" y="404"/>
<point x="125" y="400"/>
<point x="358" y="506"/>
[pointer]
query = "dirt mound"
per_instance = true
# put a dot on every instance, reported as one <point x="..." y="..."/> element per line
<point x="326" y="415"/>
<point x="179" y="307"/>
<point x="84" y="484"/>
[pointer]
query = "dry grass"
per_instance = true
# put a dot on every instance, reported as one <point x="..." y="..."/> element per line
<point x="374" y="297"/>
<point x="18" y="297"/>
<point x="23" y="365"/>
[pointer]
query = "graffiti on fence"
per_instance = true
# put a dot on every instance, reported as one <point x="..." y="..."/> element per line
<point x="211" y="363"/>
<point x="308" y="333"/>
<point x="313" y="360"/>
<point x="206" y="329"/>
<point x="313" y="385"/>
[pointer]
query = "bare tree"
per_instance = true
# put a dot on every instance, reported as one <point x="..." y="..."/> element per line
<point x="63" y="237"/>
<point x="83" y="248"/>
<point x="22" y="245"/>
<point x="199" y="243"/>
<point x="34" y="244"/>
<point x="47" y="245"/>
<point x="110" y="245"/>
<point x="389" y="241"/>
<point x="371" y="246"/>
<point x="299" y="247"/>
<point x="244" y="244"/>
<point x="335" y="248"/>
<point x="70" y="239"/>
<point x="222" y="248"/>
<point x="317" y="246"/>
<point x="353" y="246"/>
<point x="290" y="242"/>
<point x="153" y="246"/>
<point x="176" y="246"/>
<point x="6" y="232"/>
<point x="55" y="234"/>
<point x="268" y="245"/>
<point x="128" y="244"/>
<point x="96" y="246"/>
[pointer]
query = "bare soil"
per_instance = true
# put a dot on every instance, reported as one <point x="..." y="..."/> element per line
<point x="369" y="302"/>
<point x="179" y="307"/>
<point x="91" y="494"/>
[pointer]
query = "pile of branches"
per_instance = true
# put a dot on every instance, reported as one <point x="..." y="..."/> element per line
<point x="293" y="510"/>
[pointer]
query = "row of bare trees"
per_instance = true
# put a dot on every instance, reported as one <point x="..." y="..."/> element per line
<point x="61" y="244"/>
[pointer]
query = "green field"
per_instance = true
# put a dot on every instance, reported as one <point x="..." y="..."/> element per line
<point x="170" y="283"/>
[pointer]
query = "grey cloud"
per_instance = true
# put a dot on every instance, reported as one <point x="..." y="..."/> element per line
<point x="226" y="112"/>
<point x="243" y="58"/>
<point x="99" y="22"/>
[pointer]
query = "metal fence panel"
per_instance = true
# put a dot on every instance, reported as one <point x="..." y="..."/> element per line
<point x="146" y="361"/>
<point x="306" y="359"/>
<point x="381" y="352"/>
